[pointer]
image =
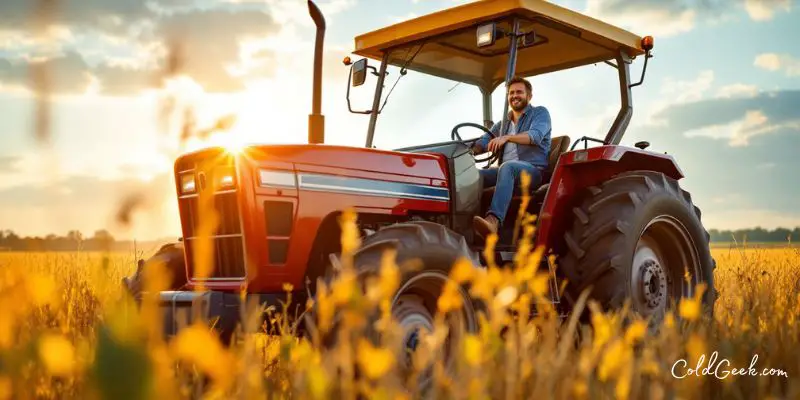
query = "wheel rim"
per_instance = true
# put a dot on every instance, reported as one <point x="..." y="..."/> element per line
<point x="664" y="253"/>
<point x="414" y="307"/>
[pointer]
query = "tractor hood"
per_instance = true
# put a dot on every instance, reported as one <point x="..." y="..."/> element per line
<point x="342" y="161"/>
<point x="353" y="161"/>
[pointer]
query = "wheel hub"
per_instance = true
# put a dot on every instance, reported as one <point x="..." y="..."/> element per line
<point x="653" y="283"/>
<point x="413" y="319"/>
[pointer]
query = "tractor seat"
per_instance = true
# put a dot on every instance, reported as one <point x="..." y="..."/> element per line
<point x="558" y="145"/>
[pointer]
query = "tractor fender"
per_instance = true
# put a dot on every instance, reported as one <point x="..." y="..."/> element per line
<point x="579" y="170"/>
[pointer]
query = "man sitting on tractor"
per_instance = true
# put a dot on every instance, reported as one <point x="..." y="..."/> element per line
<point x="525" y="144"/>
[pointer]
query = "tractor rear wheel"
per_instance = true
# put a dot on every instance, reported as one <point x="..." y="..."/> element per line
<point x="414" y="303"/>
<point x="638" y="236"/>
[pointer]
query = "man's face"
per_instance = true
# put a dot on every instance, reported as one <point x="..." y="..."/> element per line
<point x="518" y="96"/>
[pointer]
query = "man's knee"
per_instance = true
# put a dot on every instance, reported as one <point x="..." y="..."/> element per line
<point x="511" y="168"/>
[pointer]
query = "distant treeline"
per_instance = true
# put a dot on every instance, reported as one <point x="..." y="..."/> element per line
<point x="102" y="240"/>
<point x="756" y="235"/>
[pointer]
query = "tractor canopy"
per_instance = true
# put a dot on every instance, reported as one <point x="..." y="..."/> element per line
<point x="445" y="44"/>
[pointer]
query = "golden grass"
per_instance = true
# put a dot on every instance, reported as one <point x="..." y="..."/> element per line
<point x="68" y="330"/>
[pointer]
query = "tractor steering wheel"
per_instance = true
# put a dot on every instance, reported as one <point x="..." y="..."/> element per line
<point x="456" y="137"/>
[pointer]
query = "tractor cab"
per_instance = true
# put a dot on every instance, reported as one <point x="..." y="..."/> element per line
<point x="483" y="44"/>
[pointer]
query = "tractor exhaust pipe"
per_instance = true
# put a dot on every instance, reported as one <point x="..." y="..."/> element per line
<point x="316" y="121"/>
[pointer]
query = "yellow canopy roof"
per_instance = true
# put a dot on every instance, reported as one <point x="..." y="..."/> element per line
<point x="565" y="39"/>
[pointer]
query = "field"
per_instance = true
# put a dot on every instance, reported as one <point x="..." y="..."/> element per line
<point x="69" y="331"/>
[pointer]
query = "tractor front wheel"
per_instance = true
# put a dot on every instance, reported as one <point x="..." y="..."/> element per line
<point x="638" y="236"/>
<point x="413" y="305"/>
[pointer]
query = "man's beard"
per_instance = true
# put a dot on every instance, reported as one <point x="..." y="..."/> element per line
<point x="519" y="106"/>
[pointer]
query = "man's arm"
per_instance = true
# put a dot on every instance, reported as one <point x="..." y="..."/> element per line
<point x="540" y="126"/>
<point x="481" y="145"/>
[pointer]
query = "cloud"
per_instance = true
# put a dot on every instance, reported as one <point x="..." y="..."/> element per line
<point x="672" y="17"/>
<point x="777" y="62"/>
<point x="764" y="10"/>
<point x="740" y="131"/>
<point x="8" y="164"/>
<point x="109" y="16"/>
<point x="209" y="44"/>
<point x="737" y="90"/>
<point x="737" y="119"/>
<point x="66" y="74"/>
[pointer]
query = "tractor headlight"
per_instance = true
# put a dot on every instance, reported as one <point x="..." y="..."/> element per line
<point x="226" y="179"/>
<point x="188" y="184"/>
<point x="280" y="179"/>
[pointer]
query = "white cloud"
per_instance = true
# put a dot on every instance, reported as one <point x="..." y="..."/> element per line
<point x="688" y="91"/>
<point x="401" y="18"/>
<point x="739" y="132"/>
<point x="777" y="62"/>
<point x="666" y="18"/>
<point x="662" y="18"/>
<point x="675" y="91"/>
<point x="737" y="90"/>
<point x="764" y="10"/>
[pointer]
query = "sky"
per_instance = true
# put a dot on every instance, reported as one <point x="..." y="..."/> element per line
<point x="721" y="95"/>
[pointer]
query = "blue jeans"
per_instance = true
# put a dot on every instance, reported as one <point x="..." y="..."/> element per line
<point x="505" y="180"/>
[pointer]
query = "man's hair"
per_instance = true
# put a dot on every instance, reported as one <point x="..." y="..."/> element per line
<point x="519" y="79"/>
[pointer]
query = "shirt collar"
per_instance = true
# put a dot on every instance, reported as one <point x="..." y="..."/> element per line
<point x="525" y="110"/>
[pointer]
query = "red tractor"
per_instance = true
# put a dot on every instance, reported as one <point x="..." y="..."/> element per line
<point x="615" y="216"/>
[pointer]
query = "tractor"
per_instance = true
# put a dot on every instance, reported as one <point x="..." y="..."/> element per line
<point x="614" y="216"/>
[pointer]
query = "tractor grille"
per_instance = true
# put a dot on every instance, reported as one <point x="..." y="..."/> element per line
<point x="227" y="258"/>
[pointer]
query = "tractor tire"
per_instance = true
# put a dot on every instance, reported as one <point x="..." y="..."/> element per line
<point x="630" y="239"/>
<point x="171" y="255"/>
<point x="414" y="304"/>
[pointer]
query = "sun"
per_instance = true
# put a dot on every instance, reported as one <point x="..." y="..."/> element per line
<point x="234" y="144"/>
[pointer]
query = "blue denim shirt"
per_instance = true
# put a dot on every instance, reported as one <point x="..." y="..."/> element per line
<point x="535" y="121"/>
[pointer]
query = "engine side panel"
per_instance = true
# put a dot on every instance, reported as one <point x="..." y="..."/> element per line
<point x="280" y="223"/>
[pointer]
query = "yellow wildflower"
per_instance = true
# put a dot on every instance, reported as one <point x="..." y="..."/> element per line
<point x="213" y="359"/>
<point x="6" y="388"/>
<point x="689" y="309"/>
<point x="57" y="354"/>
<point x="695" y="347"/>
<point x="375" y="362"/>
<point x="42" y="290"/>
<point x="616" y="355"/>
<point x="636" y="331"/>
<point x="540" y="284"/>
<point x="580" y="389"/>
<point x="473" y="350"/>
<point x="390" y="275"/>
<point x="450" y="299"/>
<point x="318" y="382"/>
<point x="505" y="297"/>
<point x="462" y="271"/>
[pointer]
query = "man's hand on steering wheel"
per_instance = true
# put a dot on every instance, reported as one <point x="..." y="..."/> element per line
<point x="497" y="143"/>
<point x="455" y="136"/>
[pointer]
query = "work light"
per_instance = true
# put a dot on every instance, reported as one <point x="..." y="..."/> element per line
<point x="188" y="184"/>
<point x="486" y="35"/>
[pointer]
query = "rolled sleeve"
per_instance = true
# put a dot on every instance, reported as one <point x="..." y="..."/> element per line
<point x="540" y="126"/>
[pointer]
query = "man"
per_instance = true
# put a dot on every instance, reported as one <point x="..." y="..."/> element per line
<point x="525" y="145"/>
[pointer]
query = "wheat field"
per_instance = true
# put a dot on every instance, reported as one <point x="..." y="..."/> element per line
<point x="68" y="330"/>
